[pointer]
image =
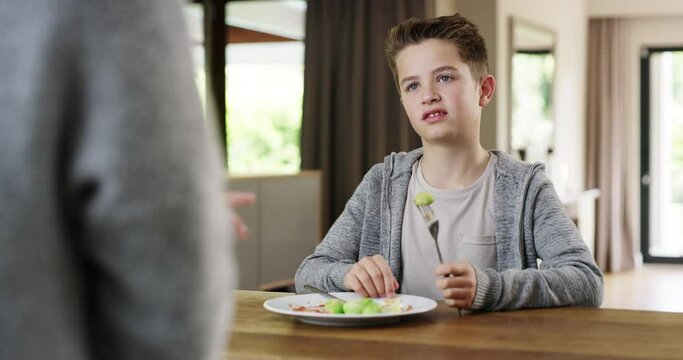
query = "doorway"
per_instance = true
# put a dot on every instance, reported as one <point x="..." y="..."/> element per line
<point x="662" y="155"/>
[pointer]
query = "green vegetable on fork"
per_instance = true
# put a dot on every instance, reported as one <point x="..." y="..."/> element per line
<point x="423" y="198"/>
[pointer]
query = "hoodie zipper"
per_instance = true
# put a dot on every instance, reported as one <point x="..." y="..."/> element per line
<point x="387" y="204"/>
<point x="522" y="245"/>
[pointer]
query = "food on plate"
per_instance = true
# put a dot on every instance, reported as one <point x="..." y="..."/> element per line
<point x="393" y="305"/>
<point x="372" y="308"/>
<point x="335" y="307"/>
<point x="353" y="307"/>
<point x="423" y="198"/>
<point x="317" y="308"/>
<point x="365" y="306"/>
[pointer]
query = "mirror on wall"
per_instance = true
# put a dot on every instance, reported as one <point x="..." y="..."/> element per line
<point x="532" y="73"/>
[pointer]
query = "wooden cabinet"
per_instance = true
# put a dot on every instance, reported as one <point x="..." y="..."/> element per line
<point x="285" y="225"/>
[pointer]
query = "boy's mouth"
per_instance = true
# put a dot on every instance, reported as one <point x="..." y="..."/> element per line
<point x="434" y="115"/>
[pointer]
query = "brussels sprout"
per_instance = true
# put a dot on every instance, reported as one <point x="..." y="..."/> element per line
<point x="366" y="301"/>
<point x="366" y="306"/>
<point x="334" y="306"/>
<point x="353" y="307"/>
<point x="372" y="308"/>
<point x="423" y="198"/>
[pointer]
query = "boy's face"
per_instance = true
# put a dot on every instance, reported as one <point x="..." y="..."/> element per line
<point x="442" y="100"/>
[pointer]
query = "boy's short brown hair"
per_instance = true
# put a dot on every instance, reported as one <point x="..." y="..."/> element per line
<point x="455" y="29"/>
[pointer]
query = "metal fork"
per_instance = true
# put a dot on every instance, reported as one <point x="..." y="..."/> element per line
<point x="429" y="217"/>
<point x="323" y="293"/>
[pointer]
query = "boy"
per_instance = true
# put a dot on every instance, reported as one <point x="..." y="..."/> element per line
<point x="497" y="216"/>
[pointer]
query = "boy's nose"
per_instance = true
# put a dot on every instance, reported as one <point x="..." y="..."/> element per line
<point x="430" y="96"/>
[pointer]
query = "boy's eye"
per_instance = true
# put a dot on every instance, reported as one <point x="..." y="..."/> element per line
<point x="412" y="87"/>
<point x="444" y="78"/>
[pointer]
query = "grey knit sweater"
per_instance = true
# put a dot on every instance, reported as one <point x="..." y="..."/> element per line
<point x="114" y="239"/>
<point x="531" y="224"/>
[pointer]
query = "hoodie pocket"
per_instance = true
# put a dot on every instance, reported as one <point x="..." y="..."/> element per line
<point x="478" y="250"/>
<point x="479" y="239"/>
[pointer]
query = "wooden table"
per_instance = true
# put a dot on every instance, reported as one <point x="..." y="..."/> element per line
<point x="558" y="333"/>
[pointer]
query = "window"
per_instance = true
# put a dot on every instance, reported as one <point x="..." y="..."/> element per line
<point x="264" y="86"/>
<point x="662" y="154"/>
<point x="532" y="69"/>
<point x="532" y="118"/>
<point x="263" y="82"/>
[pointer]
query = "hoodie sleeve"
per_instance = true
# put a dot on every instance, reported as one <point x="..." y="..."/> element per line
<point x="568" y="274"/>
<point x="340" y="247"/>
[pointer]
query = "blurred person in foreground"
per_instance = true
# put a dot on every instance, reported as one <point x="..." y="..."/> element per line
<point x="114" y="235"/>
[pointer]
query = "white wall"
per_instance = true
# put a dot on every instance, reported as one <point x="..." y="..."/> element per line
<point x="445" y="7"/>
<point x="634" y="8"/>
<point x="483" y="14"/>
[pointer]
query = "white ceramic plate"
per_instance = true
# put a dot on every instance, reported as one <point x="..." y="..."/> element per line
<point x="283" y="305"/>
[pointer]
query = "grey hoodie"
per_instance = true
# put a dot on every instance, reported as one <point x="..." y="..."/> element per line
<point x="531" y="224"/>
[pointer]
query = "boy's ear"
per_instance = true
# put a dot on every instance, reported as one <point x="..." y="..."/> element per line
<point x="486" y="88"/>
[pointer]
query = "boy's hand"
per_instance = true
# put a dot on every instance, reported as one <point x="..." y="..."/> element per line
<point x="239" y="199"/>
<point x="460" y="287"/>
<point x="371" y="276"/>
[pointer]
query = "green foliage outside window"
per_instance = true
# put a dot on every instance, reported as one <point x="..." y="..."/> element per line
<point x="532" y="82"/>
<point x="264" y="118"/>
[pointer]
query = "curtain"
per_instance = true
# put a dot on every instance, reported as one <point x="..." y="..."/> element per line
<point x="608" y="161"/>
<point x="352" y="115"/>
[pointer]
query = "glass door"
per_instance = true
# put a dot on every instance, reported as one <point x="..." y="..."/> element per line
<point x="662" y="155"/>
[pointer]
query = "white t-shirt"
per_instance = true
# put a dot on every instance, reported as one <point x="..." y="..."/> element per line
<point x="466" y="230"/>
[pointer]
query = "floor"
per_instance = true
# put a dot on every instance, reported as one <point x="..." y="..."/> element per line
<point x="656" y="287"/>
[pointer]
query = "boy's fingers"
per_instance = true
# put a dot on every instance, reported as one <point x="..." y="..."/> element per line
<point x="443" y="270"/>
<point x="366" y="280"/>
<point x="389" y="288"/>
<point x="456" y="268"/>
<point x="353" y="281"/>
<point x="457" y="294"/>
<point x="357" y="287"/>
<point x="239" y="227"/>
<point x="376" y="278"/>
<point x="387" y="276"/>
<point x="454" y="282"/>
<point x="239" y="198"/>
<point x="460" y="304"/>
